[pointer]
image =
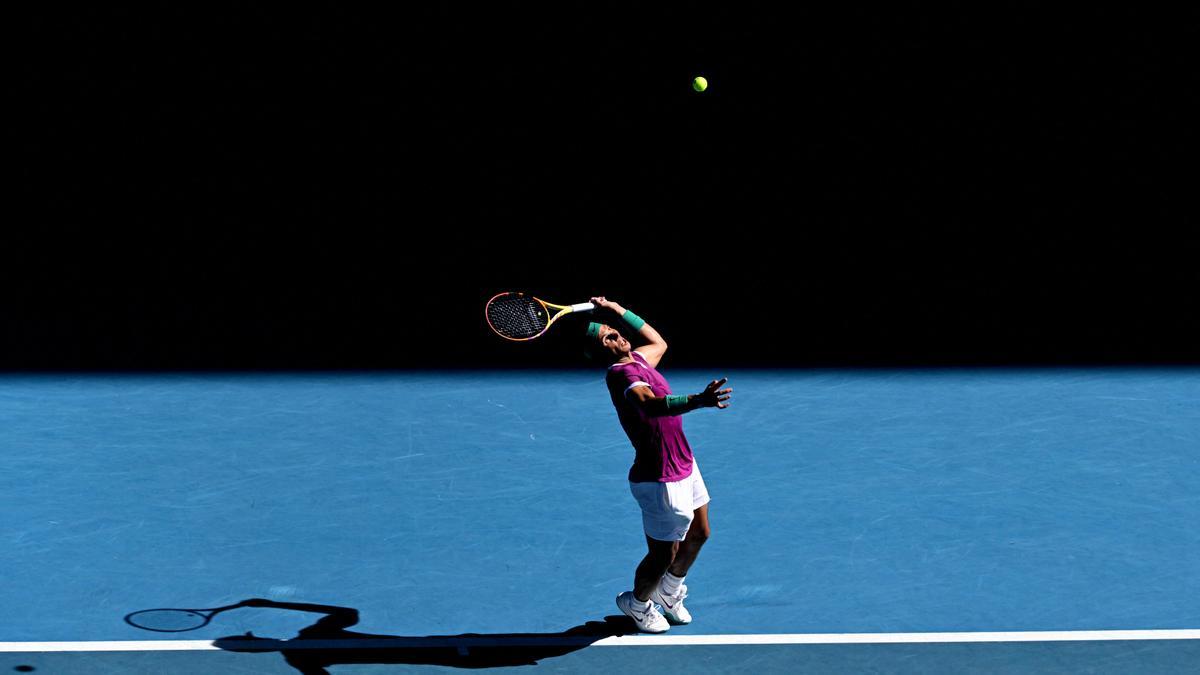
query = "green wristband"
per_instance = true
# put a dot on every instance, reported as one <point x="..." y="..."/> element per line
<point x="677" y="402"/>
<point x="635" y="322"/>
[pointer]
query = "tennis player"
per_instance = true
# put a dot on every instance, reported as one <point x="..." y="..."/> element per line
<point x="664" y="478"/>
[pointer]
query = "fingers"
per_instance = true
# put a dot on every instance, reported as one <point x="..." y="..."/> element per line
<point x="601" y="301"/>
<point x="717" y="396"/>
<point x="717" y="383"/>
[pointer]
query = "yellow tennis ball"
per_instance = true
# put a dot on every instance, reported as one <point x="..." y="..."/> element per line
<point x="699" y="84"/>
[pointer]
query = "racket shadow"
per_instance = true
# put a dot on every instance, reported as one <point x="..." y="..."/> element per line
<point x="327" y="643"/>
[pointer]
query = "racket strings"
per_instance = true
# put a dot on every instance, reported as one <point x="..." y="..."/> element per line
<point x="517" y="316"/>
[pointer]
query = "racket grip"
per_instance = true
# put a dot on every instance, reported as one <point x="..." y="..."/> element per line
<point x="583" y="307"/>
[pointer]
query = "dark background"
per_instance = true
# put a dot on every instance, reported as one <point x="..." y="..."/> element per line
<point x="224" y="187"/>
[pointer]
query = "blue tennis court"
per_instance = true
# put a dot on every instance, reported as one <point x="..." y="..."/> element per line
<point x="482" y="519"/>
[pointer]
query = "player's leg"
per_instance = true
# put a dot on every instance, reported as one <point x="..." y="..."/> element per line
<point x="671" y="591"/>
<point x="665" y="524"/>
<point x="634" y="603"/>
<point x="658" y="559"/>
<point x="690" y="547"/>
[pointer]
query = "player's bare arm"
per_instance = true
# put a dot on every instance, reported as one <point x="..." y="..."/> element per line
<point x="713" y="396"/>
<point x="655" y="345"/>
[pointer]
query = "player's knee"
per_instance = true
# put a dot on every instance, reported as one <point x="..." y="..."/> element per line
<point x="670" y="552"/>
<point x="663" y="550"/>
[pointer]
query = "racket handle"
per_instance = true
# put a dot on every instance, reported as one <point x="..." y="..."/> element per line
<point x="583" y="307"/>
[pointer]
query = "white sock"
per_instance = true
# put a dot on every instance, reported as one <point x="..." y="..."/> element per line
<point x="640" y="604"/>
<point x="670" y="584"/>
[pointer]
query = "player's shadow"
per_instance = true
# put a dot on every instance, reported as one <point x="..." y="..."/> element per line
<point x="327" y="643"/>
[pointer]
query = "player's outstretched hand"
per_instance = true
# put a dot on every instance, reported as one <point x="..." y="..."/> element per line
<point x="714" y="396"/>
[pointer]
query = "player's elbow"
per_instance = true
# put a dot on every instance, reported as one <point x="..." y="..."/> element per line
<point x="648" y="403"/>
<point x="656" y="348"/>
<point x="656" y="407"/>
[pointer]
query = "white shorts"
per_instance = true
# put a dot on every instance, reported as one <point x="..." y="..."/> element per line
<point x="668" y="508"/>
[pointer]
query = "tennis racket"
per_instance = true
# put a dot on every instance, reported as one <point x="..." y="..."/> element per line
<point x="174" y="620"/>
<point x="520" y="317"/>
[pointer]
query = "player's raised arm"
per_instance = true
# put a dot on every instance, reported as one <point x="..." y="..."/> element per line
<point x="655" y="345"/>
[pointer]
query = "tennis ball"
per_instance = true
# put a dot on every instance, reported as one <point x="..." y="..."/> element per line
<point x="699" y="84"/>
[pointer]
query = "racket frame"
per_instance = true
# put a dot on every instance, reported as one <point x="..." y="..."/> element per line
<point x="207" y="614"/>
<point x="562" y="310"/>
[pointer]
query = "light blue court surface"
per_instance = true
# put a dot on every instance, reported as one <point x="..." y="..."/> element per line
<point x="495" y="503"/>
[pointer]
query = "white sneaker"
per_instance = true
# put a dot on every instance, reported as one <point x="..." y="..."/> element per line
<point x="647" y="620"/>
<point x="672" y="605"/>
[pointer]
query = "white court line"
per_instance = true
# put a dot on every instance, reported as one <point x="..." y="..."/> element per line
<point x="622" y="641"/>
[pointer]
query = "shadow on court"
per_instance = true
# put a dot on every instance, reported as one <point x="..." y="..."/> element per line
<point x="328" y="643"/>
